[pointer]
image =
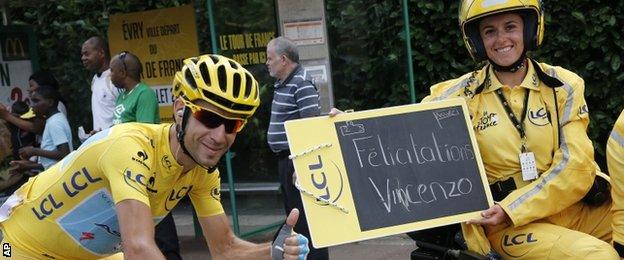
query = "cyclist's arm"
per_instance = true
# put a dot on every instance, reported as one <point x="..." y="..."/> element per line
<point x="137" y="230"/>
<point x="224" y="244"/>
<point x="117" y="161"/>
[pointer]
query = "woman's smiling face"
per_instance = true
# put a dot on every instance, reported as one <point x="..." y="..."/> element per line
<point x="502" y="37"/>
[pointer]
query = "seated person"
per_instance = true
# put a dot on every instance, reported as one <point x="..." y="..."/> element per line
<point x="11" y="180"/>
<point x="56" y="141"/>
<point x="36" y="124"/>
<point x="19" y="137"/>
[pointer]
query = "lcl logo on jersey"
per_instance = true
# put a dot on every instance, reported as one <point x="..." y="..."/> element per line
<point x="216" y="193"/>
<point x="539" y="116"/>
<point x="175" y="195"/>
<point x="517" y="245"/>
<point x="166" y="162"/>
<point x="518" y="239"/>
<point x="132" y="178"/>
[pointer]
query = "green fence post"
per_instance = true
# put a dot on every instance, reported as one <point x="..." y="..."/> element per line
<point x="228" y="163"/>
<point x="408" y="46"/>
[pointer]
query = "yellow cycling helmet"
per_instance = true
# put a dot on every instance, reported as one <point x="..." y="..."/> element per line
<point x="471" y="11"/>
<point x="219" y="81"/>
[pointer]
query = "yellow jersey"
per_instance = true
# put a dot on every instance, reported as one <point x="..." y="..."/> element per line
<point x="68" y="211"/>
<point x="555" y="126"/>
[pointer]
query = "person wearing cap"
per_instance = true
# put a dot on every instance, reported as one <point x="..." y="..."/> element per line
<point x="56" y="140"/>
<point x="35" y="124"/>
<point x="104" y="199"/>
<point x="11" y="180"/>
<point x="137" y="102"/>
<point x="530" y="121"/>
<point x="19" y="137"/>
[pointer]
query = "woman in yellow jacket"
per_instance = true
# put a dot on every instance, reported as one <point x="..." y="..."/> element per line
<point x="615" y="161"/>
<point x="530" y="121"/>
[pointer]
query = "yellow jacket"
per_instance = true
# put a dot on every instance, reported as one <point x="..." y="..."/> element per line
<point x="563" y="151"/>
<point x="615" y="161"/>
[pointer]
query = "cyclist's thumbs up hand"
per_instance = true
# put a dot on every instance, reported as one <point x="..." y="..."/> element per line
<point x="292" y="218"/>
<point x="288" y="245"/>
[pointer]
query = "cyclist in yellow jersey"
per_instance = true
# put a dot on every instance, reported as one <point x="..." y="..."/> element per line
<point x="527" y="113"/>
<point x="106" y="197"/>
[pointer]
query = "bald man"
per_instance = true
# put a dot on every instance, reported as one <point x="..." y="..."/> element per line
<point x="137" y="102"/>
<point x="96" y="58"/>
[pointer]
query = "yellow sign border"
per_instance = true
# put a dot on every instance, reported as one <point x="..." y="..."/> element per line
<point x="310" y="138"/>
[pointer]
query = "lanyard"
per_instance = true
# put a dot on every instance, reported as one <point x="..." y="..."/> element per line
<point x="519" y="125"/>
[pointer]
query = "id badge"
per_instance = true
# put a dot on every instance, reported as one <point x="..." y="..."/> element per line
<point x="527" y="163"/>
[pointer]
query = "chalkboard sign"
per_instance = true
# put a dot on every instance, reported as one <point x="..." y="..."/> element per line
<point x="387" y="171"/>
<point x="410" y="167"/>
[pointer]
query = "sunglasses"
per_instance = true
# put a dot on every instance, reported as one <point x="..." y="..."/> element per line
<point x="122" y="57"/>
<point x="213" y="120"/>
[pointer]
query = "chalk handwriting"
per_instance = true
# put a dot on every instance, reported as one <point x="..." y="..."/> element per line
<point x="372" y="152"/>
<point x="351" y="128"/>
<point x="406" y="195"/>
<point x="441" y="115"/>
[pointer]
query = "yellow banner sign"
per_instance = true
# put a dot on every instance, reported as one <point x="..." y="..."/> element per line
<point x="246" y="48"/>
<point x="388" y="171"/>
<point x="161" y="39"/>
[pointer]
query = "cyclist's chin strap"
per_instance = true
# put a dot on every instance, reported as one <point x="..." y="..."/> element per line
<point x="181" y="132"/>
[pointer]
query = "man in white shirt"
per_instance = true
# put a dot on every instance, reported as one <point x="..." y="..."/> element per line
<point x="95" y="57"/>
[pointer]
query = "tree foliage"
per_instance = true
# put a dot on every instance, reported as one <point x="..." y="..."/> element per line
<point x="61" y="27"/>
<point x="367" y="47"/>
<point x="369" y="65"/>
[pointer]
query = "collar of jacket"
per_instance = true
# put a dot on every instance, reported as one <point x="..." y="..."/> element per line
<point x="480" y="80"/>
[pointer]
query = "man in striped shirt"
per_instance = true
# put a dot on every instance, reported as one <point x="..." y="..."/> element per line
<point x="294" y="97"/>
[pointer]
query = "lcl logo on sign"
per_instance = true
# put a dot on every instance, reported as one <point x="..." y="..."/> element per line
<point x="326" y="179"/>
<point x="15" y="48"/>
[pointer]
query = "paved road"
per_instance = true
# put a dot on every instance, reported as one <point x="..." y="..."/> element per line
<point x="398" y="247"/>
<point x="259" y="211"/>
